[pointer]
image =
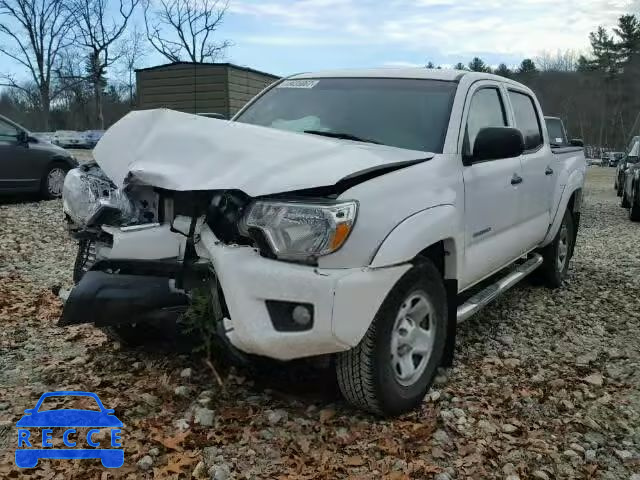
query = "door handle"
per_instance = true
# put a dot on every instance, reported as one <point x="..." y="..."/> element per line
<point x="516" y="179"/>
<point x="548" y="171"/>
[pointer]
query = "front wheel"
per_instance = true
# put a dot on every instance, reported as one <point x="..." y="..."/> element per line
<point x="53" y="181"/>
<point x="391" y="369"/>
<point x="557" y="254"/>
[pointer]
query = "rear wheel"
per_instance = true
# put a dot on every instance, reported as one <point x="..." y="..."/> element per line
<point x="53" y="181"/>
<point x="624" y="202"/>
<point x="391" y="369"/>
<point x="557" y="254"/>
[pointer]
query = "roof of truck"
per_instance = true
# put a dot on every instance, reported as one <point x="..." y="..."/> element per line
<point x="416" y="73"/>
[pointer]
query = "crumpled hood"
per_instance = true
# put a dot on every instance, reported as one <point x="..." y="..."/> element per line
<point x="181" y="151"/>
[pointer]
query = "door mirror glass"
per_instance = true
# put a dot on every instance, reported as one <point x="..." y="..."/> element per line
<point x="493" y="143"/>
<point x="576" y="142"/>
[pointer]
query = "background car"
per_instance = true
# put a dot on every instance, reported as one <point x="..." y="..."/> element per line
<point x="31" y="164"/>
<point x="631" y="157"/>
<point x="92" y="137"/>
<point x="614" y="158"/>
<point x="68" y="139"/>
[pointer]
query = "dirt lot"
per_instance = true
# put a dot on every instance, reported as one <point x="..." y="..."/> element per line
<point x="545" y="385"/>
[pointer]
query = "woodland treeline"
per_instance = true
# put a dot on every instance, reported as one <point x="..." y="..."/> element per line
<point x="79" y="60"/>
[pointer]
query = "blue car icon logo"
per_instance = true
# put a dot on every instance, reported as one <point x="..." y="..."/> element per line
<point x="70" y="419"/>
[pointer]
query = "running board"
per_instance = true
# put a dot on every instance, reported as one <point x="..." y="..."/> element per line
<point x="493" y="291"/>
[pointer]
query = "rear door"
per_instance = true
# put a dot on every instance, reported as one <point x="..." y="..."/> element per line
<point x="492" y="194"/>
<point x="538" y="167"/>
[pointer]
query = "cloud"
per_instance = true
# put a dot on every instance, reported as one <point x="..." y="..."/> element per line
<point x="449" y="27"/>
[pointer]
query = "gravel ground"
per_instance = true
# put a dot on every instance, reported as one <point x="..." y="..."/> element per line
<point x="546" y="385"/>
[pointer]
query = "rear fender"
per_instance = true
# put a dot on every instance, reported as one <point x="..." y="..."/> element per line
<point x="573" y="186"/>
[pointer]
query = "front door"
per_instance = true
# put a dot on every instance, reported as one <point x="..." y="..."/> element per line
<point x="492" y="191"/>
<point x="14" y="172"/>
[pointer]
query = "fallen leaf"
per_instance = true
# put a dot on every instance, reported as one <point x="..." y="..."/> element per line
<point x="327" y="414"/>
<point x="172" y="443"/>
<point x="354" y="461"/>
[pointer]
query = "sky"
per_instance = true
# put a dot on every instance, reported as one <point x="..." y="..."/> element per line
<point x="289" y="36"/>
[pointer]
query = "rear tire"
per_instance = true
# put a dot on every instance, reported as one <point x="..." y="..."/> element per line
<point x="558" y="253"/>
<point x="390" y="371"/>
<point x="624" y="203"/>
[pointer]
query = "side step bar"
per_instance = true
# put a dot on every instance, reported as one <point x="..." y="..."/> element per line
<point x="493" y="291"/>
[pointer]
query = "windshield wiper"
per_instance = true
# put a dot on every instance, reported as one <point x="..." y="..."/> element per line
<point x="341" y="135"/>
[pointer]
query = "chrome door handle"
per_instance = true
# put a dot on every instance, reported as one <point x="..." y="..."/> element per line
<point x="548" y="171"/>
<point x="516" y="179"/>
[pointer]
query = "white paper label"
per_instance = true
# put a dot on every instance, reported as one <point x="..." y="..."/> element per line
<point x="298" y="84"/>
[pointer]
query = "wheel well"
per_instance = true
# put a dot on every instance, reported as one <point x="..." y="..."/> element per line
<point x="443" y="256"/>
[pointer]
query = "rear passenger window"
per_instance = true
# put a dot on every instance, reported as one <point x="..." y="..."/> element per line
<point x="527" y="120"/>
<point x="486" y="110"/>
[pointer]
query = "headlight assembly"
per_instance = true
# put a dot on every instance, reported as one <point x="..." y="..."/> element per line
<point x="299" y="231"/>
<point x="88" y="198"/>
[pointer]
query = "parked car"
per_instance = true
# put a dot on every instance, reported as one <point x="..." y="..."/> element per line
<point x="630" y="158"/>
<point x="614" y="158"/>
<point x="31" y="164"/>
<point x="631" y="183"/>
<point x="69" y="139"/>
<point x="595" y="161"/>
<point x="346" y="213"/>
<point x="92" y="137"/>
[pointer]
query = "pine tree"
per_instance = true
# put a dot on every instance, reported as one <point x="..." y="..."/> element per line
<point x="478" y="65"/>
<point x="628" y="31"/>
<point x="460" y="66"/>
<point x="527" y="66"/>
<point x="604" y="51"/>
<point x="503" y="70"/>
<point x="430" y="65"/>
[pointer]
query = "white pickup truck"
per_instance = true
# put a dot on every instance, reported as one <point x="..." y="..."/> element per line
<point x="360" y="214"/>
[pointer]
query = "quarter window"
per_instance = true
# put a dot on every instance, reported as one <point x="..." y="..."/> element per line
<point x="486" y="110"/>
<point x="526" y="119"/>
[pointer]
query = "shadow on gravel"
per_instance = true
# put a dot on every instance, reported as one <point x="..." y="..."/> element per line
<point x="17" y="199"/>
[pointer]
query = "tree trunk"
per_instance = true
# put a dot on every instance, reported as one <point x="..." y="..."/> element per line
<point x="45" y="107"/>
<point x="97" y="91"/>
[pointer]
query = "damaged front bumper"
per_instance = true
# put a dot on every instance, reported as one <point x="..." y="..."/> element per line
<point x="259" y="296"/>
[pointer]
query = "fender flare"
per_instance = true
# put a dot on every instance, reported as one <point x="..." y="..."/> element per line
<point x="419" y="231"/>
<point x="575" y="184"/>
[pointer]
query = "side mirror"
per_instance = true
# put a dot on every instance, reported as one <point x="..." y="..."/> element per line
<point x="493" y="143"/>
<point x="576" y="142"/>
<point x="22" y="137"/>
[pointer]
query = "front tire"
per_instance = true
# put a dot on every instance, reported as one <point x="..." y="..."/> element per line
<point x="558" y="253"/>
<point x="53" y="181"/>
<point x="391" y="369"/>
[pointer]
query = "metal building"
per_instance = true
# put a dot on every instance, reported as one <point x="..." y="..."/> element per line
<point x="199" y="87"/>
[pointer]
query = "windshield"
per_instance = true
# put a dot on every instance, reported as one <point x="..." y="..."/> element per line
<point x="404" y="113"/>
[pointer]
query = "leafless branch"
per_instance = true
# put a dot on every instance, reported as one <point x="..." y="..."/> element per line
<point x="181" y="30"/>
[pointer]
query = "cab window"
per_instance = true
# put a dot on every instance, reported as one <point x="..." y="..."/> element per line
<point x="526" y="119"/>
<point x="486" y="110"/>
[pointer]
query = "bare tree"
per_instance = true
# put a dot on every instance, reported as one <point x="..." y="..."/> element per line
<point x="560" y="61"/>
<point x="37" y="33"/>
<point x="98" y="29"/>
<point x="181" y="29"/>
<point x="133" y="50"/>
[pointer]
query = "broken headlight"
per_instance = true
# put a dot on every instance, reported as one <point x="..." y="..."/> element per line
<point x="298" y="231"/>
<point x="90" y="199"/>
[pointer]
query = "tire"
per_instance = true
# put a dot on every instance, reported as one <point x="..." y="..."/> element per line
<point x="624" y="202"/>
<point x="367" y="378"/>
<point x="558" y="253"/>
<point x="634" y="208"/>
<point x="53" y="180"/>
<point x="85" y="258"/>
